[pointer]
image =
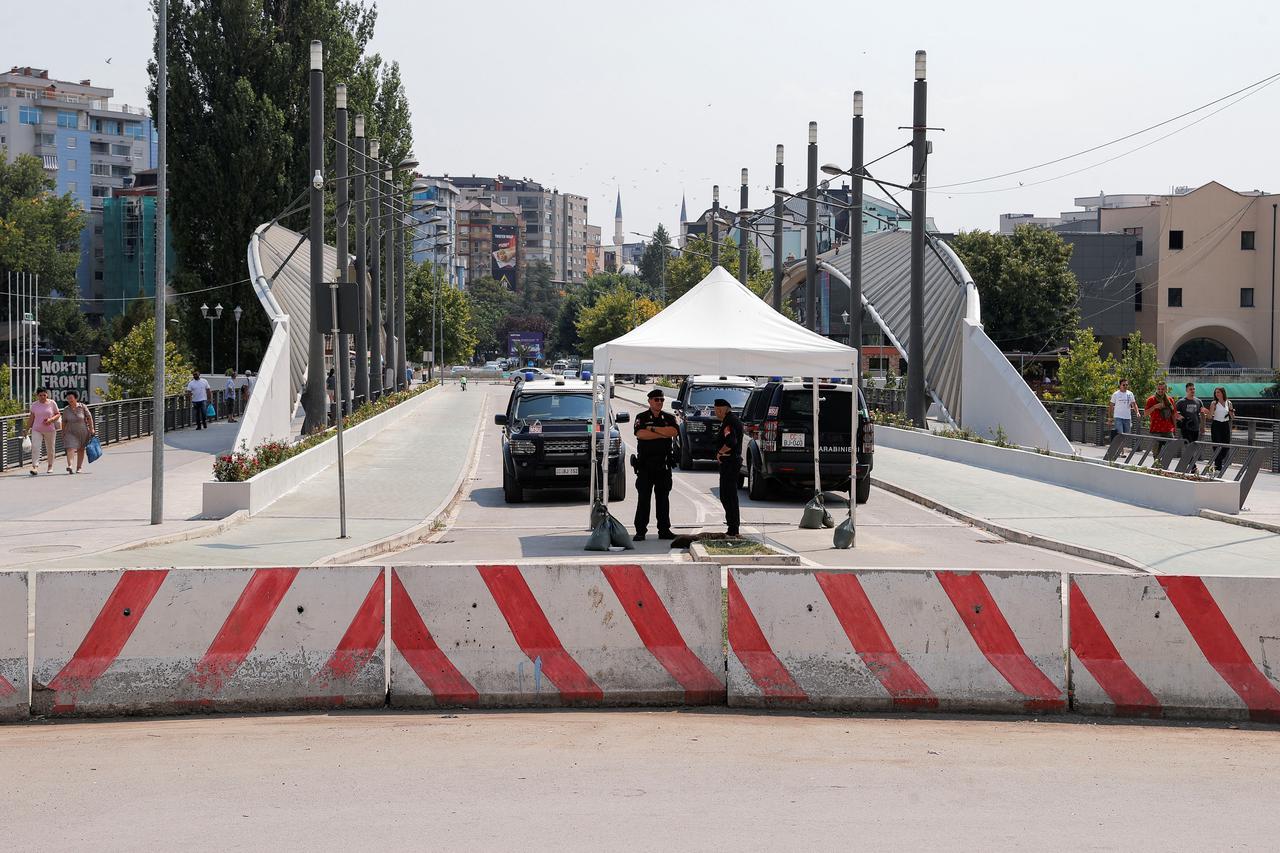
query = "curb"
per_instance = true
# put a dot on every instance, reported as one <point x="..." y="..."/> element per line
<point x="1019" y="537"/>
<point x="185" y="535"/>
<point x="424" y="529"/>
<point x="1214" y="515"/>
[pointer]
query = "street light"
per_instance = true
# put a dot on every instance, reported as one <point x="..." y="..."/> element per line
<point x="215" y="314"/>
<point x="238" y="311"/>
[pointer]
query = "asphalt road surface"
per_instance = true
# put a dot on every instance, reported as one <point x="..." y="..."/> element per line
<point x="635" y="780"/>
<point x="892" y="531"/>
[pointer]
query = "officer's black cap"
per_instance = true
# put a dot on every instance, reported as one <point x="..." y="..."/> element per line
<point x="721" y="401"/>
<point x="656" y="394"/>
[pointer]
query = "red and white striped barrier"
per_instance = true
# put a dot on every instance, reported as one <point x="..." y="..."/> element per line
<point x="877" y="639"/>
<point x="13" y="645"/>
<point x="567" y="634"/>
<point x="1175" y="646"/>
<point x="158" y="641"/>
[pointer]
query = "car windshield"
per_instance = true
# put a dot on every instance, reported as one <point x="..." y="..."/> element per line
<point x="705" y="395"/>
<point x="554" y="407"/>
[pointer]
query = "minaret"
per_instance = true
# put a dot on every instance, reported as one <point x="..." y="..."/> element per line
<point x="684" y="216"/>
<point x="617" y="234"/>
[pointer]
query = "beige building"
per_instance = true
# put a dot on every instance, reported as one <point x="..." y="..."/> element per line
<point x="1206" y="275"/>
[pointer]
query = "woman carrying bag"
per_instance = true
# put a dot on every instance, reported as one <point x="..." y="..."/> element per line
<point x="77" y="430"/>
<point x="42" y="427"/>
<point x="1222" y="416"/>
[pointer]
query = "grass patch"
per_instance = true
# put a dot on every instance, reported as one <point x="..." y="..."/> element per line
<point x="736" y="547"/>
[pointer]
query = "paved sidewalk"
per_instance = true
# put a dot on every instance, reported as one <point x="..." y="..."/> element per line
<point x="108" y="504"/>
<point x="394" y="480"/>
<point x="1168" y="544"/>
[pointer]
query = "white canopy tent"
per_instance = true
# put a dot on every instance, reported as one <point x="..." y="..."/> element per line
<point x="721" y="327"/>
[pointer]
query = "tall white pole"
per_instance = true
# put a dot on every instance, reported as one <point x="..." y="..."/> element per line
<point x="162" y="229"/>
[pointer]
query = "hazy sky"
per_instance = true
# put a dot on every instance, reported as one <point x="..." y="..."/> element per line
<point x="663" y="98"/>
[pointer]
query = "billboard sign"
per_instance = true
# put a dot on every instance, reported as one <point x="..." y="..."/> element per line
<point x="63" y="373"/>
<point x="505" y="248"/>
<point x="528" y="344"/>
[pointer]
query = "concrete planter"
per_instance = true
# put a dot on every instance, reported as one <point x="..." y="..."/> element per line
<point x="261" y="490"/>
<point x="1168" y="494"/>
<point x="700" y="555"/>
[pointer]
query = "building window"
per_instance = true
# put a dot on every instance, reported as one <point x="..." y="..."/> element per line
<point x="71" y="142"/>
<point x="1137" y="248"/>
<point x="1175" y="239"/>
<point x="68" y="118"/>
<point x="4" y="115"/>
<point x="1175" y="296"/>
<point x="121" y="150"/>
<point x="1246" y="297"/>
<point x="1246" y="241"/>
<point x="71" y="164"/>
<point x="1137" y="296"/>
<point x="134" y="129"/>
<point x="28" y="115"/>
<point x="71" y="185"/>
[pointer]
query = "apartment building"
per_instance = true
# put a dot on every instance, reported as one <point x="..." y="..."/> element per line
<point x="436" y="234"/>
<point x="90" y="146"/>
<point x="490" y="240"/>
<point x="1205" y="274"/>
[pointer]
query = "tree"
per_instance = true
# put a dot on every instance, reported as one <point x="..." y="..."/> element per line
<point x="613" y="315"/>
<point x="489" y="302"/>
<point x="565" y="337"/>
<point x="538" y="293"/>
<point x="131" y="363"/>
<point x="1141" y="366"/>
<point x="1083" y="375"/>
<point x="8" y="406"/>
<point x="694" y="263"/>
<point x="66" y="329"/>
<point x="238" y="105"/>
<point x="1273" y="390"/>
<point x="1030" y="297"/>
<point x="39" y="231"/>
<point x="653" y="263"/>
<point x="425" y="290"/>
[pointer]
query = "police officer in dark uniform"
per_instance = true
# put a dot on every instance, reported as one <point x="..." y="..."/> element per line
<point x="729" y="455"/>
<point x="654" y="431"/>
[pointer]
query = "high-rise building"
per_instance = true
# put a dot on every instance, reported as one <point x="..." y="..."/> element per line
<point x="435" y="237"/>
<point x="553" y="224"/>
<point x="594" y="255"/>
<point x="90" y="146"/>
<point x="490" y="242"/>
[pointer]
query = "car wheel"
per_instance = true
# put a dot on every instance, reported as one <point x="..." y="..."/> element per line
<point x="618" y="487"/>
<point x="511" y="490"/>
<point x="686" y="457"/>
<point x="864" y="489"/>
<point x="757" y="488"/>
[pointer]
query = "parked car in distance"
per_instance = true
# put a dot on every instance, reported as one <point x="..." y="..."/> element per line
<point x="777" y="447"/>
<point x="697" y="417"/>
<point x="457" y="369"/>
<point x="523" y="374"/>
<point x="546" y="440"/>
<point x="1221" y="365"/>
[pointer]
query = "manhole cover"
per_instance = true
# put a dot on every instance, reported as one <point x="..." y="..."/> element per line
<point x="45" y="549"/>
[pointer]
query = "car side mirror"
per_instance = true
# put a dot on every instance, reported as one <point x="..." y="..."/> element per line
<point x="622" y="418"/>
<point x="678" y="405"/>
<point x="500" y="420"/>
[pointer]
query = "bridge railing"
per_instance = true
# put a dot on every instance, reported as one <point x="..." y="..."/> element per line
<point x="1209" y="459"/>
<point x="115" y="421"/>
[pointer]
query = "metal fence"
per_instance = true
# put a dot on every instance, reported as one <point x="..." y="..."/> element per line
<point x="113" y="422"/>
<point x="1238" y="462"/>
<point x="893" y="400"/>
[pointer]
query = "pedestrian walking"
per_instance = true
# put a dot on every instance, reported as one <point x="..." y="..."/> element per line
<point x="1187" y="413"/>
<point x="729" y="456"/>
<point x="43" y="420"/>
<point x="242" y="392"/>
<point x="199" y="390"/>
<point x="77" y="429"/>
<point x="1159" y="411"/>
<point x="1222" y="417"/>
<point x="1122" y="407"/>
<point x="231" y="400"/>
<point x="654" y="430"/>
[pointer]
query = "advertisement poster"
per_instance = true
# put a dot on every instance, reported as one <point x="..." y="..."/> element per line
<point x="63" y="373"/>
<point x="504" y="253"/>
<point x="525" y="345"/>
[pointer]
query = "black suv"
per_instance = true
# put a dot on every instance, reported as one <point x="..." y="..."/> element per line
<point x="546" y="440"/>
<point x="777" y="447"/>
<point x="698" y="422"/>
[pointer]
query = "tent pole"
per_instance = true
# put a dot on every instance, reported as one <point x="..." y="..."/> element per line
<point x="853" y="440"/>
<point x="591" y="499"/>
<point x="605" y="430"/>
<point x="817" y="441"/>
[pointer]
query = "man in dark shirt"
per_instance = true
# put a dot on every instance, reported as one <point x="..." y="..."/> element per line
<point x="1187" y="413"/>
<point x="654" y="431"/>
<point x="729" y="455"/>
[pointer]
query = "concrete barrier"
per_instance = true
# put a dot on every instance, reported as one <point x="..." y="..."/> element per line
<point x="885" y="639"/>
<point x="1175" y="646"/>
<point x="163" y="641"/>
<point x="566" y="634"/>
<point x="14" y="686"/>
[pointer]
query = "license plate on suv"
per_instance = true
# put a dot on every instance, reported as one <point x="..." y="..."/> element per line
<point x="567" y="472"/>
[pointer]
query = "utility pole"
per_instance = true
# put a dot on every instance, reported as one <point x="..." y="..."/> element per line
<point x="389" y="276"/>
<point x="743" y="247"/>
<point x="777" y="232"/>
<point x="162" y="241"/>
<point x="715" y="226"/>
<point x="919" y="159"/>
<point x="811" y="233"/>
<point x="313" y="396"/>
<point x="855" y="237"/>
<point x="375" y="282"/>
<point x="362" y="283"/>
<point x="402" y="341"/>
<point x="342" y="210"/>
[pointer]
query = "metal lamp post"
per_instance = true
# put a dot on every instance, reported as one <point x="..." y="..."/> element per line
<point x="314" y="402"/>
<point x="855" y="236"/>
<point x="744" y="253"/>
<point x="777" y="232"/>
<point x="811" y="233"/>
<point x="362" y="284"/>
<point x="375" y="285"/>
<point x="342" y="209"/>
<point x="215" y="314"/>
<point x="715" y="226"/>
<point x="237" y="312"/>
<point x="162" y="242"/>
<point x="919" y="162"/>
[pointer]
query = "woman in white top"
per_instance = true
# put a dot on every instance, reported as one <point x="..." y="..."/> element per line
<point x="1221" y="416"/>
